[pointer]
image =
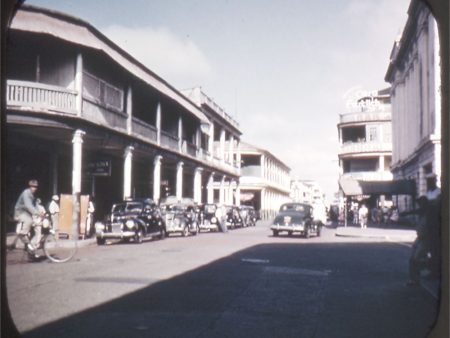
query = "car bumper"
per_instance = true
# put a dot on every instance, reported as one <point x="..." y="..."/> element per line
<point x="121" y="235"/>
<point x="209" y="226"/>
<point x="298" y="228"/>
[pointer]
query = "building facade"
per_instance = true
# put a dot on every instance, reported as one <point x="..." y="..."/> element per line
<point x="264" y="181"/>
<point x="365" y="138"/>
<point x="306" y="191"/>
<point x="222" y="144"/>
<point x="84" y="117"/>
<point x="414" y="75"/>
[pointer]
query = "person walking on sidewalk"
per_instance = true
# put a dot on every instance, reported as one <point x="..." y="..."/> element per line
<point x="421" y="246"/>
<point x="434" y="224"/>
<point x="363" y="213"/>
<point x="53" y="209"/>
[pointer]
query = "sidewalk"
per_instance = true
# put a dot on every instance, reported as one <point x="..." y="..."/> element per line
<point x="376" y="232"/>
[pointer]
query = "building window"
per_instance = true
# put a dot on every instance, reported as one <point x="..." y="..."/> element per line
<point x="372" y="133"/>
<point x="102" y="92"/>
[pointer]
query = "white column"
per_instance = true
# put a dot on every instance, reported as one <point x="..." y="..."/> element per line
<point x="77" y="142"/>
<point x="263" y="174"/>
<point x="222" y="191"/>
<point x="179" y="187"/>
<point x="129" y="111"/>
<point x="222" y="145"/>
<point x="263" y="203"/>
<point x="381" y="163"/>
<point x="127" y="171"/>
<point x="54" y="166"/>
<point x="231" y="150"/>
<point x="157" y="178"/>
<point x="238" y="196"/>
<point x="198" y="185"/>
<point x="210" y="197"/>
<point x="211" y="141"/>
<point x="180" y="133"/>
<point x="79" y="83"/>
<point x="158" y="123"/>
<point x="238" y="157"/>
<point x="230" y="193"/>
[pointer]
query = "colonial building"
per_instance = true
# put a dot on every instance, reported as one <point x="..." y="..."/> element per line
<point x="264" y="181"/>
<point x="306" y="191"/>
<point x="365" y="140"/>
<point x="414" y="74"/>
<point x="84" y="117"/>
<point x="222" y="144"/>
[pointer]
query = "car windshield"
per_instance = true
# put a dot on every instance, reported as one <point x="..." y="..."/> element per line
<point x="127" y="207"/>
<point x="293" y="207"/>
<point x="210" y="208"/>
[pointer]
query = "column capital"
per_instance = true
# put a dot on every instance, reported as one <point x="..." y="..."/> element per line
<point x="199" y="169"/>
<point x="129" y="151"/>
<point x="78" y="136"/>
<point x="180" y="165"/>
<point x="157" y="160"/>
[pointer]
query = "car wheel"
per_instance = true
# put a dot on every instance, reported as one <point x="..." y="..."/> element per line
<point x="100" y="241"/>
<point x="275" y="233"/>
<point x="185" y="232"/>
<point x="162" y="234"/>
<point x="138" y="237"/>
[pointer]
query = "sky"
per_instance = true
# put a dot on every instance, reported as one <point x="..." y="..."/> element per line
<point x="281" y="68"/>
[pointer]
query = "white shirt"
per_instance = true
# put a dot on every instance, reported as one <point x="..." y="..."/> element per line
<point x="53" y="208"/>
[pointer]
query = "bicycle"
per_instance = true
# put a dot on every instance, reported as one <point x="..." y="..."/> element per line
<point x="57" y="247"/>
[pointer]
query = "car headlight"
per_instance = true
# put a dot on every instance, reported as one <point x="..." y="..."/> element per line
<point x="99" y="226"/>
<point x="213" y="220"/>
<point x="130" y="224"/>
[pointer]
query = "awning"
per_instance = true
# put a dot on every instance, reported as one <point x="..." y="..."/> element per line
<point x="352" y="187"/>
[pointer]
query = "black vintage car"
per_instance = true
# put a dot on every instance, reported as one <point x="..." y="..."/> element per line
<point x="233" y="217"/>
<point x="132" y="219"/>
<point x="208" y="218"/>
<point x="295" y="217"/>
<point x="249" y="215"/>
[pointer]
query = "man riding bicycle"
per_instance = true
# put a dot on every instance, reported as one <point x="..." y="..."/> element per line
<point x="26" y="207"/>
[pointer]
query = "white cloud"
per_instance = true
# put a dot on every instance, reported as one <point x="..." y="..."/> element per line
<point x="178" y="60"/>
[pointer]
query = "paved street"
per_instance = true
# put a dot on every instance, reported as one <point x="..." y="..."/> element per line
<point x="242" y="284"/>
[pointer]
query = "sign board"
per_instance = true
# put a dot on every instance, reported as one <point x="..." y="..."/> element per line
<point x="99" y="168"/>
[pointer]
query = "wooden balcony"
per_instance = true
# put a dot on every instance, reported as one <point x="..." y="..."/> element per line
<point x="38" y="96"/>
<point x="143" y="129"/>
<point x="364" y="147"/>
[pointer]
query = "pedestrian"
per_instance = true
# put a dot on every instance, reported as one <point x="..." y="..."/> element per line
<point x="26" y="207"/>
<point x="421" y="246"/>
<point x="434" y="224"/>
<point x="362" y="213"/>
<point x="90" y="217"/>
<point x="53" y="209"/>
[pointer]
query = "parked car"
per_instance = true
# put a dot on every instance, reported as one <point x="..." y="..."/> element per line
<point x="233" y="217"/>
<point x="208" y="219"/>
<point x="132" y="219"/>
<point x="181" y="217"/>
<point x="295" y="217"/>
<point x="249" y="215"/>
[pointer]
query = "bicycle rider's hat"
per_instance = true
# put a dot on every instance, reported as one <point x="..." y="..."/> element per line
<point x="33" y="183"/>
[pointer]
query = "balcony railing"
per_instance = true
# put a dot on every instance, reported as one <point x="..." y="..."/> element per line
<point x="100" y="115"/>
<point x="40" y="96"/>
<point x="168" y="140"/>
<point x="370" y="175"/>
<point x="365" y="117"/>
<point x="364" y="147"/>
<point x="144" y="129"/>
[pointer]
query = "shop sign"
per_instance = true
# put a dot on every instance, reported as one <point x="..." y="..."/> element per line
<point x="99" y="168"/>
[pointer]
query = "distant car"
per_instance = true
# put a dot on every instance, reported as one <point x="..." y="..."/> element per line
<point x="208" y="218"/>
<point x="233" y="217"/>
<point x="131" y="219"/>
<point x="181" y="218"/>
<point x="249" y="215"/>
<point x="295" y="217"/>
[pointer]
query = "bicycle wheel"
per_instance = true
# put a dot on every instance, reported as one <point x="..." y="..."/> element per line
<point x="59" y="250"/>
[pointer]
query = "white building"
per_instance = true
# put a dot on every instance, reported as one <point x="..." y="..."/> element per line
<point x="414" y="74"/>
<point x="306" y="191"/>
<point x="264" y="181"/>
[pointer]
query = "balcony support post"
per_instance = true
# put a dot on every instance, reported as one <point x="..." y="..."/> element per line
<point x="198" y="185"/>
<point x="77" y="150"/>
<point x="157" y="178"/>
<point x="210" y="197"/>
<point x="179" y="187"/>
<point x="79" y="84"/>
<point x="127" y="172"/>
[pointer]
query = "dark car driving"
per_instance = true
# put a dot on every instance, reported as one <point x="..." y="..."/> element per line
<point x="295" y="217"/>
<point x="132" y="219"/>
